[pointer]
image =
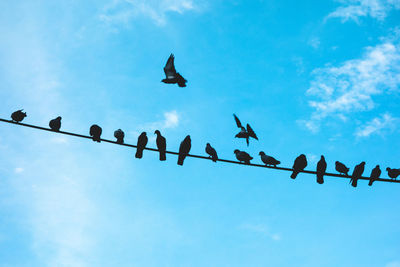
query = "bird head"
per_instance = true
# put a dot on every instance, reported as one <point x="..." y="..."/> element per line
<point x="322" y="157"/>
<point x="388" y="169"/>
<point x="208" y="144"/>
<point x="237" y="135"/>
<point x="363" y="163"/>
<point x="236" y="151"/>
<point x="261" y="153"/>
<point x="143" y="133"/>
<point x="336" y="162"/>
<point x="58" y="118"/>
<point x="157" y="132"/>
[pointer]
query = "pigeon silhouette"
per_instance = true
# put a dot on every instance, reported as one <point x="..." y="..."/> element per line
<point x="211" y="151"/>
<point x="357" y="172"/>
<point x="141" y="144"/>
<point x="161" y="145"/>
<point x="375" y="174"/>
<point x="184" y="149"/>
<point x="55" y="124"/>
<point x="268" y="160"/>
<point x="321" y="169"/>
<point x="244" y="132"/>
<point x="119" y="134"/>
<point x="95" y="132"/>
<point x="299" y="164"/>
<point x="18" y="115"/>
<point x="171" y="75"/>
<point x="341" y="168"/>
<point x="242" y="156"/>
<point x="393" y="173"/>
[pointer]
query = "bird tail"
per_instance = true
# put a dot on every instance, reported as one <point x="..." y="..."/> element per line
<point x="320" y="178"/>
<point x="371" y="181"/>
<point x="214" y="158"/>
<point x="163" y="156"/>
<point x="139" y="153"/>
<point x="120" y="140"/>
<point x="294" y="174"/>
<point x="247" y="141"/>
<point x="181" y="158"/>
<point x="354" y="182"/>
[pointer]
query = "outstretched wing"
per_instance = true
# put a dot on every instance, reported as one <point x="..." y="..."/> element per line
<point x="181" y="81"/>
<point x="251" y="132"/>
<point x="239" y="125"/>
<point x="169" y="68"/>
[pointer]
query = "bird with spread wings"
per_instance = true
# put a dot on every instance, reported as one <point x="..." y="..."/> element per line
<point x="244" y="132"/>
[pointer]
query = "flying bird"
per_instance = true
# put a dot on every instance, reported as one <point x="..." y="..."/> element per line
<point x="184" y="149"/>
<point x="321" y="169"/>
<point x="141" y="144"/>
<point x="211" y="151"/>
<point x="375" y="174"/>
<point x="244" y="132"/>
<point x="95" y="132"/>
<point x="242" y="156"/>
<point x="393" y="173"/>
<point x="119" y="134"/>
<point x="357" y="172"/>
<point x="171" y="75"/>
<point x="268" y="160"/>
<point x="299" y="164"/>
<point x="18" y="115"/>
<point x="55" y="124"/>
<point x="161" y="145"/>
<point x="341" y="168"/>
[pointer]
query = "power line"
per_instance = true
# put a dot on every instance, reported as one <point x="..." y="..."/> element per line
<point x="193" y="156"/>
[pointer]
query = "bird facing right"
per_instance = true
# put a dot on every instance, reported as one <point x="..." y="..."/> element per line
<point x="357" y="172"/>
<point x="321" y="169"/>
<point x="184" y="149"/>
<point x="141" y="144"/>
<point x="375" y="174"/>
<point x="55" y="124"/>
<point x="299" y="164"/>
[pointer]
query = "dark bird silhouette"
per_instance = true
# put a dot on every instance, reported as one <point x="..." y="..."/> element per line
<point x="375" y="174"/>
<point x="55" y="124"/>
<point x="120" y="135"/>
<point x="18" y="115"/>
<point x="244" y="132"/>
<point x="211" y="151"/>
<point x="299" y="164"/>
<point x="393" y="173"/>
<point x="161" y="145"/>
<point x="268" y="160"/>
<point x="341" y="168"/>
<point x="95" y="132"/>
<point x="171" y="75"/>
<point x="141" y="144"/>
<point x="184" y="149"/>
<point x="242" y="156"/>
<point x="357" y="172"/>
<point x="321" y="169"/>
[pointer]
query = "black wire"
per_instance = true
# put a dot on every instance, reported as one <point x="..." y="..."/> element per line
<point x="195" y="156"/>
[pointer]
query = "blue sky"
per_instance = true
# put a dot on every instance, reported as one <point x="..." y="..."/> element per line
<point x="313" y="77"/>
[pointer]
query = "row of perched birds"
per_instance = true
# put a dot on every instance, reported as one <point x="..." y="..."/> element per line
<point x="299" y="164"/>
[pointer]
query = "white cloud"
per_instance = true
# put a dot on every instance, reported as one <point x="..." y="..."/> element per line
<point x="314" y="42"/>
<point x="170" y="121"/>
<point x="393" y="264"/>
<point x="18" y="170"/>
<point x="350" y="87"/>
<point x="354" y="9"/>
<point x="377" y="125"/>
<point x="261" y="229"/>
<point x="123" y="11"/>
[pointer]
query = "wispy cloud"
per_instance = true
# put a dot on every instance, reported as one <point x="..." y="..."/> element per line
<point x="393" y="264"/>
<point x="261" y="229"/>
<point x="18" y="170"/>
<point x="350" y="87"/>
<point x="377" y="126"/>
<point x="354" y="9"/>
<point x="170" y="121"/>
<point x="123" y="11"/>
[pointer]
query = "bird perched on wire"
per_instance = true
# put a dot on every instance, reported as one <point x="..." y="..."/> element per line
<point x="18" y="115"/>
<point x="393" y="173"/>
<point x="341" y="168"/>
<point x="321" y="169"/>
<point x="172" y="76"/>
<point x="141" y="144"/>
<point x="268" y="160"/>
<point x="120" y="135"/>
<point x="184" y="149"/>
<point x="95" y="132"/>
<point x="299" y="164"/>
<point x="211" y="151"/>
<point x="55" y="124"/>
<point x="357" y="172"/>
<point x="242" y="156"/>
<point x="161" y="145"/>
<point x="244" y="132"/>
<point x="375" y="174"/>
